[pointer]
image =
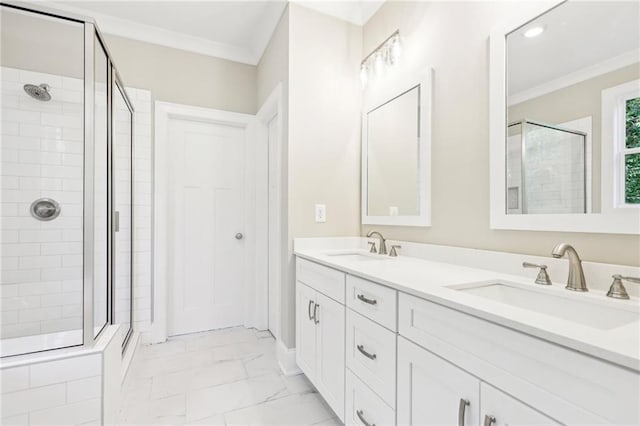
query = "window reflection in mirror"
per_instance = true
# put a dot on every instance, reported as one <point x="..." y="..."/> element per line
<point x="392" y="156"/>
<point x="559" y="69"/>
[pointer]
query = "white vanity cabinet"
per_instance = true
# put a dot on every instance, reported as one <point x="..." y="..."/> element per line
<point x="499" y="409"/>
<point x="320" y="331"/>
<point x="390" y="357"/>
<point x="432" y="391"/>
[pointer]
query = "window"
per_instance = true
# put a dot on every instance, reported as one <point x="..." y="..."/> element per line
<point x="621" y="146"/>
<point x="631" y="151"/>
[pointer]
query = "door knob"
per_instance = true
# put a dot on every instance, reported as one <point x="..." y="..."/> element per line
<point x="239" y="236"/>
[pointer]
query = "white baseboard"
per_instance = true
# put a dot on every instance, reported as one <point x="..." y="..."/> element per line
<point x="287" y="359"/>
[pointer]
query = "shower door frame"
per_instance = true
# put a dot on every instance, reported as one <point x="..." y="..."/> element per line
<point x="91" y="34"/>
<point x="116" y="84"/>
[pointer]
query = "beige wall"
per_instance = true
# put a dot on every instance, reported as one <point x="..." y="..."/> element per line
<point x="324" y="134"/>
<point x="453" y="39"/>
<point x="579" y="100"/>
<point x="273" y="68"/>
<point x="183" y="77"/>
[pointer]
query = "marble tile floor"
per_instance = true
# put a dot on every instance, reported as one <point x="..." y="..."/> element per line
<point x="222" y="377"/>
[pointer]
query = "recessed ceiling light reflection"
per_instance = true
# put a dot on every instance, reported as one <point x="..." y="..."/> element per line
<point x="533" y="32"/>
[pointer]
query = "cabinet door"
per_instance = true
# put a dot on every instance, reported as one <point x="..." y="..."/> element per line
<point x="432" y="391"/>
<point x="305" y="330"/>
<point x="500" y="409"/>
<point x="330" y="318"/>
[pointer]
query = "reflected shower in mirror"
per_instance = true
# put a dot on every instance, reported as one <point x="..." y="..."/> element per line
<point x="560" y="66"/>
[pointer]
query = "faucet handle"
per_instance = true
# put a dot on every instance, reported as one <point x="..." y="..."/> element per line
<point x="617" y="290"/>
<point x="394" y="250"/>
<point x="373" y="247"/>
<point x="543" y="277"/>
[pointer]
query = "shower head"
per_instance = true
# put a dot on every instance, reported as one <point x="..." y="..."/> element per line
<point x="40" y="93"/>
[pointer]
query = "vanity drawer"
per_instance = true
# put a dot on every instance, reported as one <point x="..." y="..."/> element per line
<point x="371" y="355"/>
<point x="363" y="405"/>
<point x="373" y="301"/>
<point x="326" y="280"/>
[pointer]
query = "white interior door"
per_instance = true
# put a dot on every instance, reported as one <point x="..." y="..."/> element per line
<point x="274" y="227"/>
<point x="205" y="270"/>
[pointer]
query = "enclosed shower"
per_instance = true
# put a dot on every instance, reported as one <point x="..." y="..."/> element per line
<point x="546" y="169"/>
<point x="67" y="177"/>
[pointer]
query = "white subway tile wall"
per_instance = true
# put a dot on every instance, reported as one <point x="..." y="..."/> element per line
<point x="60" y="392"/>
<point x="41" y="279"/>
<point x="42" y="156"/>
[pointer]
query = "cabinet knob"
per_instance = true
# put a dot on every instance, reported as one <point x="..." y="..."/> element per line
<point x="309" y="310"/>
<point x="360" y="414"/>
<point x="464" y="403"/>
<point x="365" y="353"/>
<point x="362" y="298"/>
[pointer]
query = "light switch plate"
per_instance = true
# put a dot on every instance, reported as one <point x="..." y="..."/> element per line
<point x="321" y="213"/>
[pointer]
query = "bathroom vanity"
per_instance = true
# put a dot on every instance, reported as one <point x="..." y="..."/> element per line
<point x="408" y="340"/>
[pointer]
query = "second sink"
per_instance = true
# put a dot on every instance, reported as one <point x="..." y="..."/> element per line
<point x="585" y="312"/>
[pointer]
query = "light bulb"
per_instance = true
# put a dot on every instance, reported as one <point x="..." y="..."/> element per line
<point x="378" y="64"/>
<point x="364" y="75"/>
<point x="533" y="32"/>
<point x="396" y="50"/>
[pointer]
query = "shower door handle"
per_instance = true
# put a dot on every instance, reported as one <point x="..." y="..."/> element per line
<point x="116" y="221"/>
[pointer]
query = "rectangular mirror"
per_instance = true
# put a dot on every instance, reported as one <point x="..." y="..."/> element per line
<point x="565" y="120"/>
<point x="395" y="153"/>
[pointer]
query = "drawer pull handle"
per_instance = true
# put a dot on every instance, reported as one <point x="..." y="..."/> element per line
<point x="464" y="403"/>
<point x="365" y="353"/>
<point x="368" y="301"/>
<point x="489" y="420"/>
<point x="360" y="414"/>
<point x="316" y="318"/>
<point x="309" y="310"/>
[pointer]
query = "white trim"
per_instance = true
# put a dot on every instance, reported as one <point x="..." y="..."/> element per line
<point x="423" y="79"/>
<point x="623" y="221"/>
<point x="271" y="109"/>
<point x="156" y="35"/>
<point x="287" y="360"/>
<point x="163" y="112"/>
<point x="612" y="64"/>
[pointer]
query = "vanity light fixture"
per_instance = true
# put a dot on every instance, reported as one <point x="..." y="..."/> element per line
<point x="533" y="32"/>
<point x="386" y="54"/>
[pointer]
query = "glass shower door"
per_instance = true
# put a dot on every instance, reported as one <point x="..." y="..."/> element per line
<point x="41" y="145"/>
<point x="123" y="212"/>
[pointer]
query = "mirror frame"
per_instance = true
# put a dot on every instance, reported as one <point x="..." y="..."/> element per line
<point x="378" y="95"/>
<point x="611" y="220"/>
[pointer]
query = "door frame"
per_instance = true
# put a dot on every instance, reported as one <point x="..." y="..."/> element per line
<point x="165" y="111"/>
<point x="270" y="109"/>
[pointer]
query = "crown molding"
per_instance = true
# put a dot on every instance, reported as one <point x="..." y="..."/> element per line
<point x="355" y="12"/>
<point x="155" y="35"/>
<point x="617" y="62"/>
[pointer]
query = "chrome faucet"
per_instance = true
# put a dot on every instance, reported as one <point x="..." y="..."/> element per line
<point x="575" y="280"/>
<point x="383" y="242"/>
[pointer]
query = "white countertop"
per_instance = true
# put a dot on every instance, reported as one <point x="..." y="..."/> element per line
<point x="430" y="280"/>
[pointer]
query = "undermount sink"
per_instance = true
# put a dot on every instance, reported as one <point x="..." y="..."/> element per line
<point x="586" y="312"/>
<point x="359" y="256"/>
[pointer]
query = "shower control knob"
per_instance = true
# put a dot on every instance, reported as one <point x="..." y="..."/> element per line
<point x="239" y="236"/>
<point x="45" y="209"/>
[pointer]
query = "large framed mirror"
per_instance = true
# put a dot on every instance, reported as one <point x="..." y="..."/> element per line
<point x="565" y="119"/>
<point x="396" y="152"/>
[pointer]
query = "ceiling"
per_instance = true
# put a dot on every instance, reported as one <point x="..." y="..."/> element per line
<point x="235" y="30"/>
<point x="578" y="36"/>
